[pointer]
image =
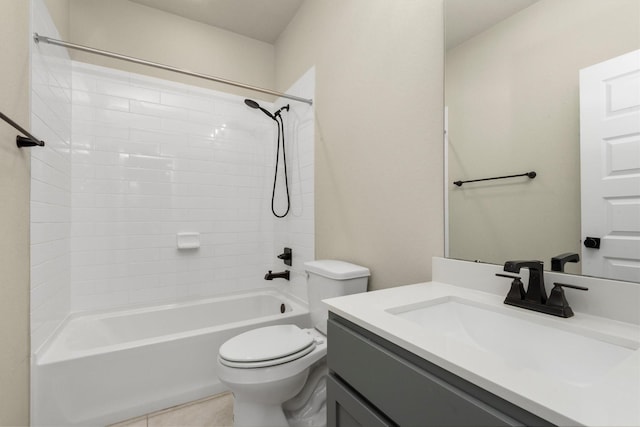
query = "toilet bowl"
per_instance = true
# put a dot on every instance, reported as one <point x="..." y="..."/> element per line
<point x="266" y="367"/>
<point x="262" y="383"/>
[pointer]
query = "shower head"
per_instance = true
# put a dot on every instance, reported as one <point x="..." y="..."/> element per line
<point x="253" y="104"/>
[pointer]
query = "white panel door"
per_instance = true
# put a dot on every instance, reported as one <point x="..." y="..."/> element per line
<point x="610" y="167"/>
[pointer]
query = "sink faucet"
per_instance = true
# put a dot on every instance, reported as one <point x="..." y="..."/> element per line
<point x="536" y="291"/>
<point x="558" y="261"/>
<point x="281" y="275"/>
<point x="535" y="298"/>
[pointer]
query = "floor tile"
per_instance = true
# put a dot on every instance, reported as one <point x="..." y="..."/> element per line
<point x="134" y="422"/>
<point x="211" y="412"/>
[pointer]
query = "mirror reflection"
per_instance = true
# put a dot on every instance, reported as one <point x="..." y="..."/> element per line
<point x="512" y="95"/>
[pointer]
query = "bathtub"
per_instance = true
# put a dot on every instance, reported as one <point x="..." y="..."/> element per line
<point x="106" y="367"/>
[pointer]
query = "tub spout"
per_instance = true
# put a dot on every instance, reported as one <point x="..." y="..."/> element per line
<point x="281" y="275"/>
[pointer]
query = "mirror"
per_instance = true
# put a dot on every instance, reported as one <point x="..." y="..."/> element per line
<point x="512" y="101"/>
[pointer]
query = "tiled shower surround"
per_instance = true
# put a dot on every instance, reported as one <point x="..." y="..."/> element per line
<point x="131" y="161"/>
<point x="50" y="182"/>
<point x="151" y="159"/>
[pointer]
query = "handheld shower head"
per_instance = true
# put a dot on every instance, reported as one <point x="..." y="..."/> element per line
<point x="253" y="104"/>
<point x="281" y="134"/>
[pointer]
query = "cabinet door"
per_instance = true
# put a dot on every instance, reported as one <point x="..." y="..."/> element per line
<point x="346" y="409"/>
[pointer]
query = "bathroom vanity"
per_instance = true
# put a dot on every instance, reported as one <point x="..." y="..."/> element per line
<point x="374" y="382"/>
<point x="442" y="354"/>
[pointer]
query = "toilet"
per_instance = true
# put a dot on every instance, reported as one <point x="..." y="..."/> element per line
<point x="276" y="373"/>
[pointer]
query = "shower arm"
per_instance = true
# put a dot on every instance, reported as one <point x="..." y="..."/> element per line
<point x="38" y="38"/>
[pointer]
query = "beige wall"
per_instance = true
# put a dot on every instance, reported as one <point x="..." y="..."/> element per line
<point x="14" y="216"/>
<point x="379" y="156"/>
<point x="512" y="94"/>
<point x="59" y="11"/>
<point x="135" y="30"/>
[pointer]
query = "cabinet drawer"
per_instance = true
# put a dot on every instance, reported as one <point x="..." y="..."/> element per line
<point x="408" y="394"/>
<point x="346" y="409"/>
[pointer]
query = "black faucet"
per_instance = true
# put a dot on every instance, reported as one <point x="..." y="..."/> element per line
<point x="558" y="261"/>
<point x="535" y="298"/>
<point x="281" y="275"/>
<point x="536" y="292"/>
<point x="286" y="256"/>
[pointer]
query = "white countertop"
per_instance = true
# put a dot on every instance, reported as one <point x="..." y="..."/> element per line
<point x="610" y="399"/>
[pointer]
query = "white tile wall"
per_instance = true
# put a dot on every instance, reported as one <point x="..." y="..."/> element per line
<point x="152" y="158"/>
<point x="50" y="181"/>
<point x="130" y="161"/>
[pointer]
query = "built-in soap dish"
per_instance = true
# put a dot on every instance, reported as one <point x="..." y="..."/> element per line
<point x="189" y="240"/>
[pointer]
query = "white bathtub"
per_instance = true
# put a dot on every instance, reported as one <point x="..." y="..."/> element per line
<point x="107" y="367"/>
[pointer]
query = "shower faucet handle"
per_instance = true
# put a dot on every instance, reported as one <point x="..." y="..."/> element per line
<point x="286" y="256"/>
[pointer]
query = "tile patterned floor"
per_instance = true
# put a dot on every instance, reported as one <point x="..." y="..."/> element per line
<point x="215" y="411"/>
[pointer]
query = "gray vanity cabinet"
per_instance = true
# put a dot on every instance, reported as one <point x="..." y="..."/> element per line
<point x="374" y="382"/>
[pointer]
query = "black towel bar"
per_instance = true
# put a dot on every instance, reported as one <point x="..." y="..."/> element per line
<point x="531" y="175"/>
<point x="21" y="141"/>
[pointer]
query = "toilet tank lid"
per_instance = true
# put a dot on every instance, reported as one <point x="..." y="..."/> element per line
<point x="334" y="269"/>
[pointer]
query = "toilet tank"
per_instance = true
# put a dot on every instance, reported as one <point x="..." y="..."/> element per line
<point x="328" y="279"/>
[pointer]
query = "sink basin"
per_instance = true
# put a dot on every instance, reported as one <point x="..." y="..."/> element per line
<point x="545" y="347"/>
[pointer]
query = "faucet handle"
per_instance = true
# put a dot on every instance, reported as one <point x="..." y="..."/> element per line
<point x="509" y="276"/>
<point x="286" y="256"/>
<point x="557" y="298"/>
<point x="564" y="285"/>
<point x="517" y="287"/>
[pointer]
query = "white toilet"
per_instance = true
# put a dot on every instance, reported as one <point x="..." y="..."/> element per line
<point x="269" y="366"/>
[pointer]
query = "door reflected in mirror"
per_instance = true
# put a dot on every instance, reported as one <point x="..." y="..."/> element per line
<point x="512" y="95"/>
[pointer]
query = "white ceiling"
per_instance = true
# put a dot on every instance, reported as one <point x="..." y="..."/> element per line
<point x="259" y="19"/>
<point x="466" y="18"/>
<point x="265" y="19"/>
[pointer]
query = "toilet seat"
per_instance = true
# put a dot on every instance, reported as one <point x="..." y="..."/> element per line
<point x="268" y="346"/>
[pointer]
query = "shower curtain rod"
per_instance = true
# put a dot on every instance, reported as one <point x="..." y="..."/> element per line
<point x="38" y="38"/>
